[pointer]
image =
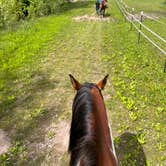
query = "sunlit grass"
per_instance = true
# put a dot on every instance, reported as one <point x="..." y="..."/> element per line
<point x="20" y="50"/>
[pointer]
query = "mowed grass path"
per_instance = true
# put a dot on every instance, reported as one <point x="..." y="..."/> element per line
<point x="39" y="98"/>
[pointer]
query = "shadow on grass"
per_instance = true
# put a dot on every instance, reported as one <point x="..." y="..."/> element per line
<point x="28" y="117"/>
<point x="7" y="98"/>
<point x="107" y="15"/>
<point x="129" y="151"/>
<point x="28" y="103"/>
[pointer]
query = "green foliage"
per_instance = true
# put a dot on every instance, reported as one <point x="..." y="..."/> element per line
<point x="50" y="134"/>
<point x="32" y="114"/>
<point x="141" y="138"/>
<point x="17" y="152"/>
<point x="16" y="10"/>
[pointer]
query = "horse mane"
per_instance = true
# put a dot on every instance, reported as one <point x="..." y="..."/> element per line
<point x="82" y="137"/>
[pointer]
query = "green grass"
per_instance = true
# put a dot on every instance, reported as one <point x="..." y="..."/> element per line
<point x="139" y="81"/>
<point x="157" y="28"/>
<point x="20" y="50"/>
<point x="156" y="7"/>
<point x="36" y="60"/>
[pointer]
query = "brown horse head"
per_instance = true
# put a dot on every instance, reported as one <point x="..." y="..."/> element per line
<point x="90" y="140"/>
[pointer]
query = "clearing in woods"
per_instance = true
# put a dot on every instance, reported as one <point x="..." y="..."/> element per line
<point x="37" y="116"/>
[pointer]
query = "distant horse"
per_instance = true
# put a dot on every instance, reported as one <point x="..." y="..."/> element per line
<point x="101" y="5"/>
<point x="90" y="141"/>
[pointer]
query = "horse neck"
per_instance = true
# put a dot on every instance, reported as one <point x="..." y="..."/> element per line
<point x="101" y="116"/>
<point x="106" y="156"/>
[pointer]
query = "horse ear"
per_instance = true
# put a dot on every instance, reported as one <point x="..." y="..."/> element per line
<point x="76" y="85"/>
<point x="101" y="84"/>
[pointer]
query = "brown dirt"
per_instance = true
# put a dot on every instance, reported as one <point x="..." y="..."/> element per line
<point x="55" y="142"/>
<point x="4" y="142"/>
<point x="91" y="18"/>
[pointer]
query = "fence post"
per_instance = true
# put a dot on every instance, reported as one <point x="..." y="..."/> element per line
<point x="140" y="26"/>
<point x="131" y="25"/>
<point x="165" y="67"/>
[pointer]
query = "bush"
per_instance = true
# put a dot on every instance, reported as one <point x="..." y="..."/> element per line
<point x="16" y="10"/>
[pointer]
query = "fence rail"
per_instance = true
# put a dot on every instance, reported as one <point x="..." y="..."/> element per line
<point x="149" y="17"/>
<point x="121" y="5"/>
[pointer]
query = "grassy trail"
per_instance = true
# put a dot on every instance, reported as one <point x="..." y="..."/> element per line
<point x="37" y="111"/>
<point x="81" y="59"/>
<point x="47" y="100"/>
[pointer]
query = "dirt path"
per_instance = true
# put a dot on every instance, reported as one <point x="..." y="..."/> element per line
<point x="78" y="52"/>
<point x="4" y="142"/>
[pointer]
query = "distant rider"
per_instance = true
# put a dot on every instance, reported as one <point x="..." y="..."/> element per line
<point x="98" y="3"/>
